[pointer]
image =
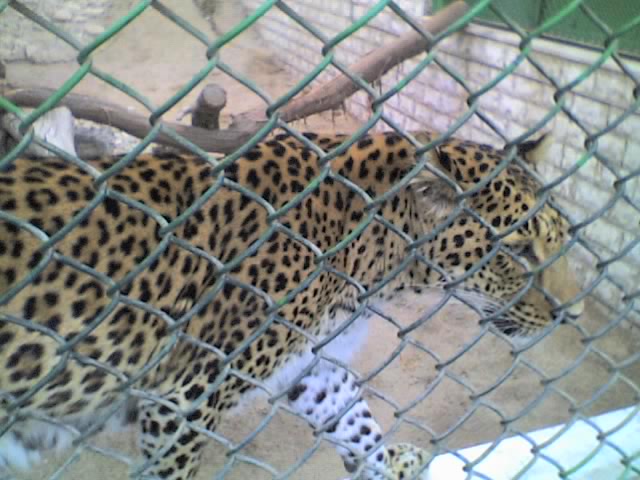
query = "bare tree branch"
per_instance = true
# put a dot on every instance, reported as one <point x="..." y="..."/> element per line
<point x="107" y="113"/>
<point x="206" y="111"/>
<point x="370" y="68"/>
<point x="324" y="97"/>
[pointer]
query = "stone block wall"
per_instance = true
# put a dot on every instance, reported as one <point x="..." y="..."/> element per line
<point x="434" y="100"/>
<point x="21" y="39"/>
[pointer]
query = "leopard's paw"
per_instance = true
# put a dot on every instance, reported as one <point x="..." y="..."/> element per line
<point x="407" y="462"/>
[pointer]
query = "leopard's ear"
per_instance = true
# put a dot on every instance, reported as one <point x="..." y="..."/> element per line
<point x="465" y="163"/>
<point x="535" y="151"/>
<point x="436" y="195"/>
<point x="436" y="157"/>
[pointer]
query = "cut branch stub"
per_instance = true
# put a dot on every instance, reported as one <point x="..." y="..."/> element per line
<point x="206" y="112"/>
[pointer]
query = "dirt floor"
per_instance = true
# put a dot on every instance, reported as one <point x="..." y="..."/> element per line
<point x="157" y="58"/>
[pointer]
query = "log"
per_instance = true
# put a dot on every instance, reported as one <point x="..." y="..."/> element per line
<point x="206" y="112"/>
<point x="107" y="113"/>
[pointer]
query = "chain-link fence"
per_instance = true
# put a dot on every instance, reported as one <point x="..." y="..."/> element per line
<point x="558" y="377"/>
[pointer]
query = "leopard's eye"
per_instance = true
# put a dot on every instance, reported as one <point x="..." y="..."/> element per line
<point x="528" y="253"/>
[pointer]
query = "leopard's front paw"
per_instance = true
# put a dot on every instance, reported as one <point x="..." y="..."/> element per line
<point x="402" y="461"/>
<point x="407" y="462"/>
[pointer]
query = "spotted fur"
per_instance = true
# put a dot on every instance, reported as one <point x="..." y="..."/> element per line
<point x="230" y="309"/>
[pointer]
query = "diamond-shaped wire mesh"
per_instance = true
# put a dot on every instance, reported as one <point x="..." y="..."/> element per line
<point x="542" y="386"/>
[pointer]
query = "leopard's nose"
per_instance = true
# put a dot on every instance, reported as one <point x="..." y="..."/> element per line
<point x="571" y="312"/>
<point x="575" y="310"/>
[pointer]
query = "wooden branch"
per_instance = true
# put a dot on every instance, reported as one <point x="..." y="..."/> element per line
<point x="370" y="68"/>
<point x="106" y="113"/>
<point x="322" y="98"/>
<point x="206" y="112"/>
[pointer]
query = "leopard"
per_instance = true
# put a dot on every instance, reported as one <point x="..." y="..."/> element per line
<point x="177" y="286"/>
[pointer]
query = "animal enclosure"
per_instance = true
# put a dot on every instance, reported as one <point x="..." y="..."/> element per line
<point x="435" y="371"/>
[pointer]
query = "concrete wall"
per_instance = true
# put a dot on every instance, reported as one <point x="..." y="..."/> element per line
<point x="21" y="39"/>
<point x="434" y="100"/>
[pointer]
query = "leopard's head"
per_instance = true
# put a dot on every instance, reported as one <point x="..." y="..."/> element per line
<point x="505" y="247"/>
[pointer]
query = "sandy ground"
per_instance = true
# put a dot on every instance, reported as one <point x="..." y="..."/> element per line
<point x="157" y="58"/>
